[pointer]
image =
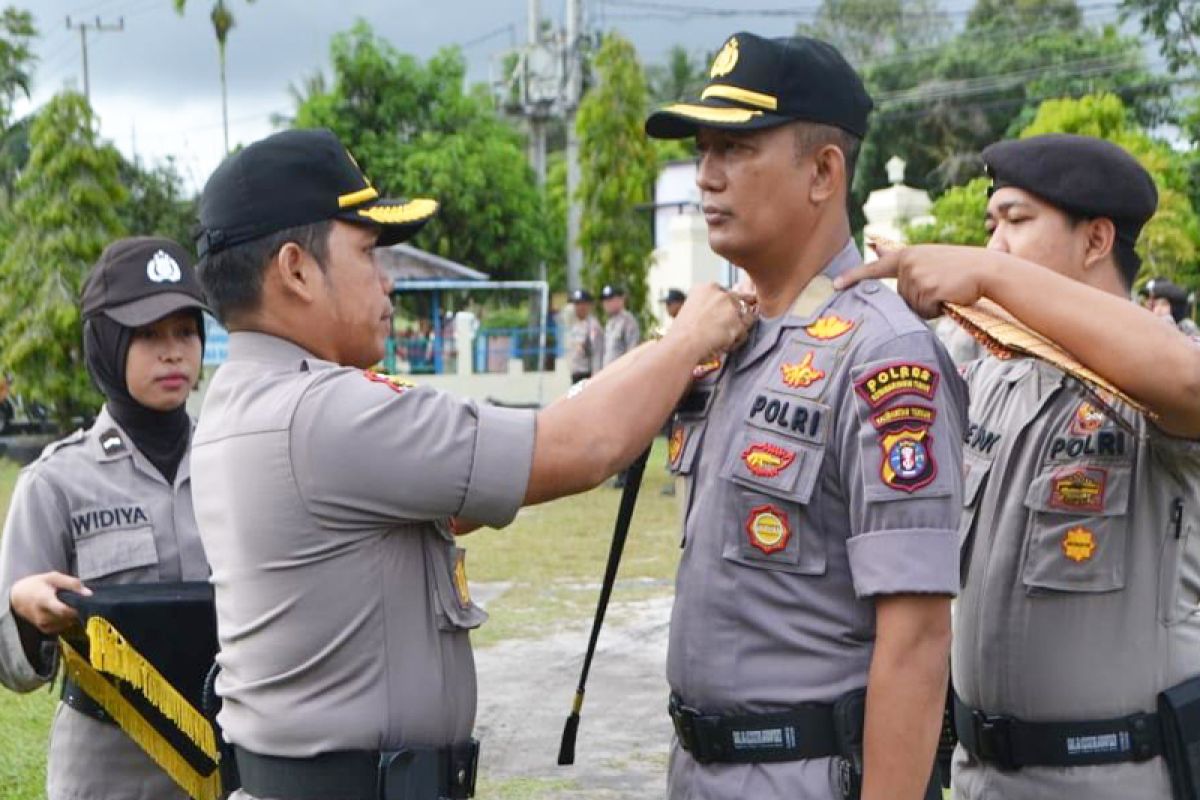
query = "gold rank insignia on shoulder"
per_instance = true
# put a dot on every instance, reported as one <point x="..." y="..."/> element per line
<point x="801" y="374"/>
<point x="1079" y="544"/>
<point x="830" y="326"/>
<point x="396" y="383"/>
<point x="726" y="60"/>
<point x="768" y="528"/>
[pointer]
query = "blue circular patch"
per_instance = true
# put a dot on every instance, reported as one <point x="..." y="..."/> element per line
<point x="908" y="458"/>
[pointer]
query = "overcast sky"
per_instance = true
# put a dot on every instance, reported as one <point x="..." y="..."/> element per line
<point x="155" y="84"/>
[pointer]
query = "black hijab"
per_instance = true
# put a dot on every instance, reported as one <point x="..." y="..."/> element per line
<point x="161" y="436"/>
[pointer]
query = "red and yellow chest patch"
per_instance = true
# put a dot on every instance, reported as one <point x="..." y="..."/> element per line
<point x="801" y="374"/>
<point x="461" y="587"/>
<point x="1078" y="489"/>
<point x="767" y="460"/>
<point x="830" y="326"/>
<point x="1087" y="420"/>
<point x="394" y="382"/>
<point x="768" y="528"/>
<point x="1079" y="544"/>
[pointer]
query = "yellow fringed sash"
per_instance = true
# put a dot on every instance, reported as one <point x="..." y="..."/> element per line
<point x="110" y="653"/>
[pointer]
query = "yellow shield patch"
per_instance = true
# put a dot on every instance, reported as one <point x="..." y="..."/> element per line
<point x="1079" y="544"/>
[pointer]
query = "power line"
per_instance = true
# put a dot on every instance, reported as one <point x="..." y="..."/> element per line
<point x="98" y="27"/>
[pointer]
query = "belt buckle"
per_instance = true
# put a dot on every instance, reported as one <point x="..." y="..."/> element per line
<point x="993" y="738"/>
<point x="684" y="720"/>
<point x="463" y="767"/>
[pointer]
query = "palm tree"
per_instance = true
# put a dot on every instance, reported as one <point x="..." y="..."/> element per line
<point x="222" y="20"/>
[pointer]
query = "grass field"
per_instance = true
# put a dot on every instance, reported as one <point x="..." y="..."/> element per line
<point x="551" y="559"/>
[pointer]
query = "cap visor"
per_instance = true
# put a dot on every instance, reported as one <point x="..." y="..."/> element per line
<point x="399" y="219"/>
<point x="681" y="120"/>
<point x="145" y="310"/>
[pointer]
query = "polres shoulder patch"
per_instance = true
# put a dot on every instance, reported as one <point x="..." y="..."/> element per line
<point x="880" y="384"/>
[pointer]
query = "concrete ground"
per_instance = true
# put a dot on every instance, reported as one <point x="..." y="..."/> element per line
<point x="526" y="687"/>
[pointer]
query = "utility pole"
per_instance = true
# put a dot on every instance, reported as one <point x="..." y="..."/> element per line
<point x="99" y="27"/>
<point x="537" y="121"/>
<point x="573" y="92"/>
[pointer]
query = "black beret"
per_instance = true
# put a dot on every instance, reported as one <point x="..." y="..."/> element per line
<point x="1081" y="175"/>
<point x="581" y="296"/>
<point x="759" y="83"/>
<point x="674" y="296"/>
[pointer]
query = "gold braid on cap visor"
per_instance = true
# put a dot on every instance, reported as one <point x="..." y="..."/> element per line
<point x="412" y="211"/>
<point x="712" y="114"/>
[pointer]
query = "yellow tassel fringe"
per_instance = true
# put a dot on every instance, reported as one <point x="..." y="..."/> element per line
<point x="199" y="787"/>
<point x="111" y="654"/>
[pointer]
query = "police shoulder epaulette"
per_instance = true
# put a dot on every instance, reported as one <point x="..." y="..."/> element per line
<point x="76" y="437"/>
<point x="891" y="308"/>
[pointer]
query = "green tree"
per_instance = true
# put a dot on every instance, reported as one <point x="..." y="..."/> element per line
<point x="681" y="77"/>
<point x="222" y="22"/>
<point x="416" y="131"/>
<point x="1023" y="14"/>
<point x="868" y="29"/>
<point x="64" y="213"/>
<point x="157" y="203"/>
<point x="1175" y="23"/>
<point x="617" y="172"/>
<point x="940" y="107"/>
<point x="1170" y="242"/>
<point x="17" y="33"/>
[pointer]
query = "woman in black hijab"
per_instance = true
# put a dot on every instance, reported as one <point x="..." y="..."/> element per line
<point x="109" y="505"/>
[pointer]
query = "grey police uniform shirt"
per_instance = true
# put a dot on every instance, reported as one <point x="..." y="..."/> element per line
<point x="94" y="507"/>
<point x="1080" y="591"/>
<point x="822" y="466"/>
<point x="585" y="345"/>
<point x="323" y="495"/>
<point x="621" y="334"/>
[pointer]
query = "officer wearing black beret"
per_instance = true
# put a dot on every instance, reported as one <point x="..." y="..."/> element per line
<point x="1076" y="631"/>
<point x="810" y="633"/>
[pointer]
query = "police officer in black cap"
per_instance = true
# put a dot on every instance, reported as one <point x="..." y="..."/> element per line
<point x="585" y="338"/>
<point x="809" y="639"/>
<point x="621" y="330"/>
<point x="1170" y="301"/>
<point x="329" y="496"/>
<point x="109" y="505"/>
<point x="1079" y="599"/>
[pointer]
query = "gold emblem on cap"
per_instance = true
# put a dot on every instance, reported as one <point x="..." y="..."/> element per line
<point x="726" y="60"/>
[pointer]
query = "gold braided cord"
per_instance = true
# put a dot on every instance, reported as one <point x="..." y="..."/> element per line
<point x="109" y="697"/>
<point x="111" y="654"/>
<point x="412" y="211"/>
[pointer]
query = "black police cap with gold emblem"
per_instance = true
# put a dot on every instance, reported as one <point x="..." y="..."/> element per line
<point x="294" y="178"/>
<point x="761" y="83"/>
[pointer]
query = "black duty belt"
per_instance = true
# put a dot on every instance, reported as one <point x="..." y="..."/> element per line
<point x="1011" y="743"/>
<point x="805" y="731"/>
<point x="418" y="773"/>
<point x="74" y="696"/>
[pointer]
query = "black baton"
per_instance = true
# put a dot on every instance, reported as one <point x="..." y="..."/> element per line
<point x="629" y="494"/>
